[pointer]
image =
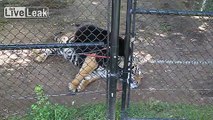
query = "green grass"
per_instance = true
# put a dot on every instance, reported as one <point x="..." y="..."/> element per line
<point x="43" y="109"/>
<point x="157" y="109"/>
<point x="60" y="112"/>
<point x="151" y="109"/>
<point x="209" y="5"/>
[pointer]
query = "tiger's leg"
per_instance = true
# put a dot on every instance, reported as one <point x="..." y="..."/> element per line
<point x="85" y="82"/>
<point x="89" y="65"/>
<point x="97" y="74"/>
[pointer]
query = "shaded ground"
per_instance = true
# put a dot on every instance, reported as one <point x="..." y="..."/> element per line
<point x="162" y="37"/>
<point x="54" y="74"/>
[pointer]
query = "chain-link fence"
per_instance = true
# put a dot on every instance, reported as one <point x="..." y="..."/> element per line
<point x="173" y="48"/>
<point x="60" y="55"/>
<point x="80" y="26"/>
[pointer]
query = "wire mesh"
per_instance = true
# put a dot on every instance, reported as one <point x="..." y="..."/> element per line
<point x="174" y="53"/>
<point x="53" y="67"/>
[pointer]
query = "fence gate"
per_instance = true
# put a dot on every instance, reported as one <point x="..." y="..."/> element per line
<point x="172" y="47"/>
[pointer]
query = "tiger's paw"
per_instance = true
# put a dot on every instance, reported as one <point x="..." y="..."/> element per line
<point x="81" y="88"/>
<point x="84" y="83"/>
<point x="38" y="55"/>
<point x="72" y="88"/>
<point x="36" y="51"/>
<point x="41" y="58"/>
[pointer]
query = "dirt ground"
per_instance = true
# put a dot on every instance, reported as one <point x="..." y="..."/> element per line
<point x="174" y="38"/>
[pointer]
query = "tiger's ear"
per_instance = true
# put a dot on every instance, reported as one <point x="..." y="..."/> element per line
<point x="63" y="39"/>
<point x="57" y="35"/>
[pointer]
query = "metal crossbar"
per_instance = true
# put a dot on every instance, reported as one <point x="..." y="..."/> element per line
<point x="170" y="12"/>
<point x="52" y="45"/>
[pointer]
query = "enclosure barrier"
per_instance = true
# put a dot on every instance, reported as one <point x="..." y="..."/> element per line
<point x="132" y="11"/>
<point x="19" y="73"/>
<point x="171" y="12"/>
<point x="42" y="46"/>
<point x="114" y="73"/>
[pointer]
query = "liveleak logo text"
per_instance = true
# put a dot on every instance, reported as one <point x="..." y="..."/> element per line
<point x="26" y="12"/>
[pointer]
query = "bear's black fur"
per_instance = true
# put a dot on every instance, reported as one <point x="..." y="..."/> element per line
<point x="91" y="33"/>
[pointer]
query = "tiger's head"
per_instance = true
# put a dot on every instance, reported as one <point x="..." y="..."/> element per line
<point x="136" y="76"/>
<point x="135" y="73"/>
<point x="61" y="37"/>
<point x="139" y="58"/>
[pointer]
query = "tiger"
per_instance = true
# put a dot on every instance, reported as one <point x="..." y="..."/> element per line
<point x="91" y="60"/>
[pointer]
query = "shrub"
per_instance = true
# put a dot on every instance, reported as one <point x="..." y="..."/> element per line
<point x="44" y="110"/>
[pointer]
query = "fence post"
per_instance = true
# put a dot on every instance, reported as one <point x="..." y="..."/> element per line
<point x="126" y="58"/>
<point x="114" y="46"/>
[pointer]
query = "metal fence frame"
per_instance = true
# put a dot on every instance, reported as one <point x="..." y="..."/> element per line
<point x="111" y="93"/>
<point x="113" y="74"/>
<point x="130" y="33"/>
<point x="131" y="13"/>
